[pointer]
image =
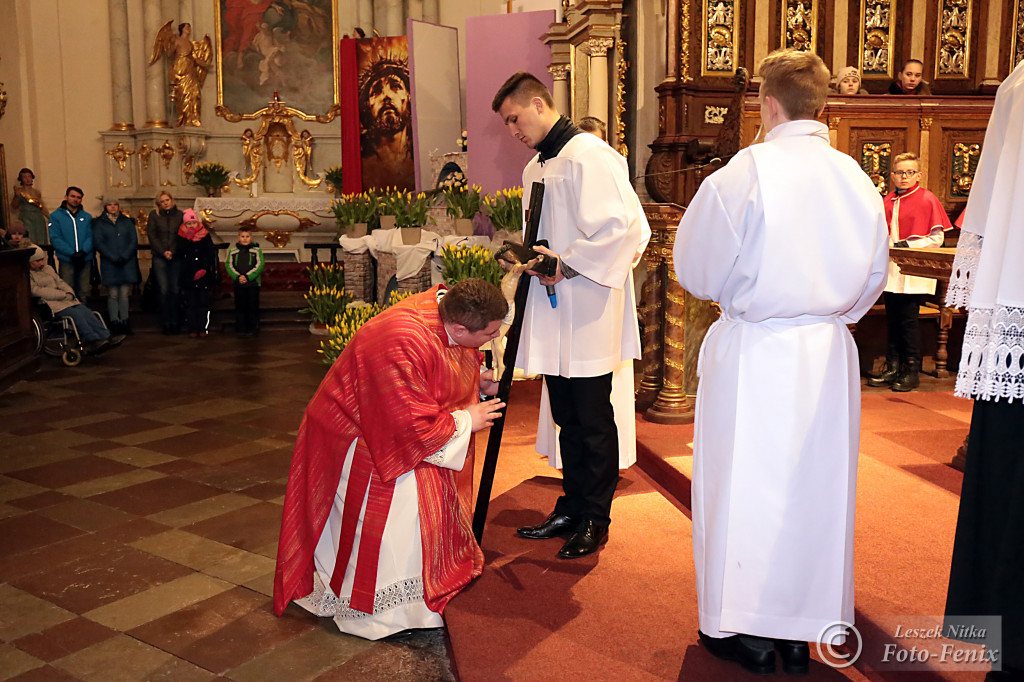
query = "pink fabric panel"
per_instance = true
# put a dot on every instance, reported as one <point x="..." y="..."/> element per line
<point x="497" y="46"/>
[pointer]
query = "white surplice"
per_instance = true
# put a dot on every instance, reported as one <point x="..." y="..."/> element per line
<point x="398" y="596"/>
<point x="593" y="219"/>
<point x="790" y="238"/>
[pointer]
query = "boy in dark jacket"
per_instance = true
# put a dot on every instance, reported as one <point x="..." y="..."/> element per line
<point x="198" y="272"/>
<point x="244" y="264"/>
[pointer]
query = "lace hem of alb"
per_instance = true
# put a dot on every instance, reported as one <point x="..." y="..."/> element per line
<point x="992" y="365"/>
<point x="965" y="267"/>
<point x="461" y="424"/>
<point x="325" y="603"/>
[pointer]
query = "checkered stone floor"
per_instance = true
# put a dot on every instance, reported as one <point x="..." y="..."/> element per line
<point x="140" y="502"/>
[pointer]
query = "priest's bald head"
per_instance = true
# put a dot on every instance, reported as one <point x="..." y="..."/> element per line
<point x="794" y="86"/>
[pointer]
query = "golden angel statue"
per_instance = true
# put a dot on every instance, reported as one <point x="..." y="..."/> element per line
<point x="302" y="153"/>
<point x="252" y="158"/>
<point x="190" y="62"/>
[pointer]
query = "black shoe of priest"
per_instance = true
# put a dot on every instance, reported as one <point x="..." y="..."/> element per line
<point x="588" y="537"/>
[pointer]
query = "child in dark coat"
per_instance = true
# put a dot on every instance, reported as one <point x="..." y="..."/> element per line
<point x="244" y="264"/>
<point x="198" y="273"/>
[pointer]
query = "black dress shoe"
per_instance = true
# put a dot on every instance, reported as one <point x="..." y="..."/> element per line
<point x="757" y="661"/>
<point x="588" y="537"/>
<point x="555" y="526"/>
<point x="796" y="656"/>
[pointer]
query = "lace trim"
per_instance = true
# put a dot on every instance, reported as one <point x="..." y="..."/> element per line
<point x="323" y="602"/>
<point x="992" y="365"/>
<point x="965" y="266"/>
<point x="461" y="423"/>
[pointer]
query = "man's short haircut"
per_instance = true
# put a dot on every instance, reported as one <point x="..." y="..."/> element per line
<point x="906" y="156"/>
<point x="72" y="188"/>
<point x="912" y="61"/>
<point x="522" y="87"/>
<point x="798" y="80"/>
<point x="592" y="124"/>
<point x="161" y="193"/>
<point x="473" y="303"/>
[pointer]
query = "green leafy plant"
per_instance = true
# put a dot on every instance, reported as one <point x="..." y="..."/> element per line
<point x="333" y="176"/>
<point x="459" y="262"/>
<point x="210" y="175"/>
<point x="462" y="201"/>
<point x="505" y="209"/>
<point x="350" y="209"/>
<point x="409" y="210"/>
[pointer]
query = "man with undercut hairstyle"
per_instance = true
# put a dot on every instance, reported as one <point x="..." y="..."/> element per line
<point x="586" y="334"/>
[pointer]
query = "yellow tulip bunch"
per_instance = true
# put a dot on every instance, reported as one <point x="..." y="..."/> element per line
<point x="505" y="209"/>
<point x="461" y="262"/>
<point x="341" y="331"/>
<point x="326" y="303"/>
<point x="462" y="201"/>
<point x="326" y="275"/>
<point x="355" y="207"/>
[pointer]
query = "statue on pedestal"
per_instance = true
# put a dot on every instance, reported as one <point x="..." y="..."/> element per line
<point x="190" y="62"/>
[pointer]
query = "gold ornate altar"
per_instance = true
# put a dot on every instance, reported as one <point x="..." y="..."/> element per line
<point x="675" y="323"/>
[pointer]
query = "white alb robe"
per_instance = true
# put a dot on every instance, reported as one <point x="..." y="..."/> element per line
<point x="790" y="238"/>
<point x="398" y="596"/>
<point x="593" y="219"/>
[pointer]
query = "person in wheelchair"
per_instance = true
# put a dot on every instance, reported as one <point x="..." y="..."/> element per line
<point x="60" y="299"/>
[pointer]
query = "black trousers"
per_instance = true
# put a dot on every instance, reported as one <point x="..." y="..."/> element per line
<point x="589" y="441"/>
<point x="247" y="309"/>
<point x="902" y="312"/>
<point x="987" y="575"/>
<point x="197" y="309"/>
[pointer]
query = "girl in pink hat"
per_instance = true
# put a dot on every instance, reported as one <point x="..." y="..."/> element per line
<point x="199" y="273"/>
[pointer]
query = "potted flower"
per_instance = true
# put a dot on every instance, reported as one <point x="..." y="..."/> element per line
<point x="410" y="215"/>
<point x="462" y="203"/>
<point x="353" y="212"/>
<point x="388" y="205"/>
<point x="505" y="209"/>
<point x="459" y="262"/>
<point x="333" y="177"/>
<point x="211" y="176"/>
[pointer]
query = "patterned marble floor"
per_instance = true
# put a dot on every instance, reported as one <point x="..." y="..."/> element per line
<point x="140" y="502"/>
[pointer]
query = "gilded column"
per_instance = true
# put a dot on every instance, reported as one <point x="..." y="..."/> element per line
<point x="672" y="55"/>
<point x="598" y="86"/>
<point x="560" y="72"/>
<point x="120" y="65"/>
<point x="156" y="83"/>
<point x="671" y="405"/>
<point x="652" y="294"/>
<point x="926" y="144"/>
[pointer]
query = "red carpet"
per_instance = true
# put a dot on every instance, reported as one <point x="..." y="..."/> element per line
<point x="629" y="612"/>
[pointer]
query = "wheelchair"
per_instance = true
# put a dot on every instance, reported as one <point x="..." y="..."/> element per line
<point x="58" y="336"/>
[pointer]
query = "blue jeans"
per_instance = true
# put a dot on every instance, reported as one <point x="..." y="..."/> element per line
<point x="77" y="276"/>
<point x="117" y="302"/>
<point x="168" y="281"/>
<point x="90" y="328"/>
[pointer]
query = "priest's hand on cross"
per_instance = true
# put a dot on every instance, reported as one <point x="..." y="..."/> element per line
<point x="483" y="414"/>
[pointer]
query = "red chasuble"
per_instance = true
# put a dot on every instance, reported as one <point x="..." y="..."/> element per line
<point x="394" y="388"/>
<point x="916" y="213"/>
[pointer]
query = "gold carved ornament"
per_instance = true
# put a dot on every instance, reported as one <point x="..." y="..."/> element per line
<point x="715" y="115"/>
<point x="1017" y="43"/>
<point x="620" y="100"/>
<point x="278" y="238"/>
<point x="953" y="50"/>
<point x="875" y="160"/>
<point x="302" y="154"/>
<point x="166" y="152"/>
<point x="965" y="165"/>
<point x="145" y="151"/>
<point x="800" y="24"/>
<point x="684" y="40"/>
<point x="277" y="114"/>
<point x="876" y="30"/>
<point x="120" y="154"/>
<point x="190" y="62"/>
<point x="718" y="44"/>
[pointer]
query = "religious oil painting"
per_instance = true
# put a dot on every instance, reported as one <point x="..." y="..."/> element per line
<point x="385" y="113"/>
<point x="282" y="47"/>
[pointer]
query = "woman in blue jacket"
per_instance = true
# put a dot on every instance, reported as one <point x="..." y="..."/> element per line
<point x="116" y="240"/>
